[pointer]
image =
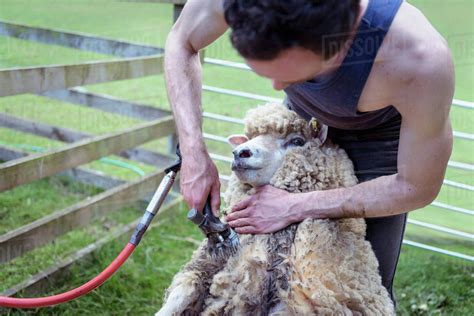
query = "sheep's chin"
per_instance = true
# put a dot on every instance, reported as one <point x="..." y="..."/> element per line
<point x="254" y="178"/>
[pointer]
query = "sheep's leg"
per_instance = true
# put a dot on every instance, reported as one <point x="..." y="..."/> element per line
<point x="179" y="298"/>
<point x="240" y="288"/>
<point x="190" y="286"/>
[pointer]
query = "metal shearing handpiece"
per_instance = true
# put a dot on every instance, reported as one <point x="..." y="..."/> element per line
<point x="157" y="199"/>
<point x="154" y="206"/>
<point x="222" y="240"/>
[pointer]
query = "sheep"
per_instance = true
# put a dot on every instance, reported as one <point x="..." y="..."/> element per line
<point x="318" y="266"/>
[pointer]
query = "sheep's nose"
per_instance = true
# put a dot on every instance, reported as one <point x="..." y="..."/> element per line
<point x="242" y="153"/>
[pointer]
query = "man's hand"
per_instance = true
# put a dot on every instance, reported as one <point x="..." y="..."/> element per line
<point x="267" y="211"/>
<point x="200" y="23"/>
<point x="199" y="178"/>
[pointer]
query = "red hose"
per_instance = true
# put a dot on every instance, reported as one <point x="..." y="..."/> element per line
<point x="151" y="211"/>
<point x="72" y="294"/>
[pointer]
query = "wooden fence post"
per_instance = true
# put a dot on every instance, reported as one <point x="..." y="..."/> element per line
<point x="177" y="8"/>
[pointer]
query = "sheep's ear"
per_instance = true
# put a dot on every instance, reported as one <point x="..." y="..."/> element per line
<point x="319" y="130"/>
<point x="236" y="140"/>
<point x="322" y="132"/>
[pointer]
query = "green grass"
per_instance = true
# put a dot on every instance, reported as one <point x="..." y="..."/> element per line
<point x="441" y="283"/>
<point x="426" y="283"/>
<point x="30" y="202"/>
<point x="430" y="284"/>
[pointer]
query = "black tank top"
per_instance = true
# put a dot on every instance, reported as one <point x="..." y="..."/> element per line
<point x="333" y="99"/>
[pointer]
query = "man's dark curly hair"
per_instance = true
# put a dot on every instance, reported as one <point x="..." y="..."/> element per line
<point x="261" y="29"/>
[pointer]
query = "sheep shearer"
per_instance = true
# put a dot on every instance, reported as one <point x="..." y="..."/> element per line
<point x="375" y="71"/>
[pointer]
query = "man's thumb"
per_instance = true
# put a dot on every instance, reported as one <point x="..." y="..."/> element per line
<point x="215" y="200"/>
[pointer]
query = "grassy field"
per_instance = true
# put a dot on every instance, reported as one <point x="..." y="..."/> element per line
<point x="426" y="283"/>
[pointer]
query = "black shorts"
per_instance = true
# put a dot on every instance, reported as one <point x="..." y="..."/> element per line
<point x="374" y="154"/>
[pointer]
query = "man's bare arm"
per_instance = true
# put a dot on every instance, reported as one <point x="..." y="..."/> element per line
<point x="424" y="149"/>
<point x="200" y="23"/>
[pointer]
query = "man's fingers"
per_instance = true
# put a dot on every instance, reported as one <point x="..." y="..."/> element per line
<point x="239" y="210"/>
<point x="236" y="215"/>
<point x="195" y="199"/>
<point x="245" y="230"/>
<point x="200" y="181"/>
<point x="242" y="204"/>
<point x="241" y="222"/>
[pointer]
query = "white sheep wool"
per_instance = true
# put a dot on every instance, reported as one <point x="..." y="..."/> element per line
<point x="316" y="267"/>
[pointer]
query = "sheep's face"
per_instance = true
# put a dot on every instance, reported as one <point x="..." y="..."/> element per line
<point x="256" y="160"/>
<point x="272" y="131"/>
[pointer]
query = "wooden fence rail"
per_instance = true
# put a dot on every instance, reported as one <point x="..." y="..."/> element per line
<point x="69" y="136"/>
<point x="40" y="79"/>
<point x="84" y="42"/>
<point x="107" y="103"/>
<point x="82" y="175"/>
<point x="37" y="166"/>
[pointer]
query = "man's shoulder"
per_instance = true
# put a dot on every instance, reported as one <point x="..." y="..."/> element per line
<point x="411" y="55"/>
<point x="413" y="50"/>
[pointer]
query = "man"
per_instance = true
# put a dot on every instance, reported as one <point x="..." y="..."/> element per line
<point x="375" y="71"/>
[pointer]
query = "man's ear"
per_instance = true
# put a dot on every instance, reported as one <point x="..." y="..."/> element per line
<point x="236" y="140"/>
<point x="320" y="131"/>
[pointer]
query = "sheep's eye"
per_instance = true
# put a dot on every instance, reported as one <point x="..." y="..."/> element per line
<point x="298" y="141"/>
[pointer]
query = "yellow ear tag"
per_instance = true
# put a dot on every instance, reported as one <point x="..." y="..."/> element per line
<point x="314" y="124"/>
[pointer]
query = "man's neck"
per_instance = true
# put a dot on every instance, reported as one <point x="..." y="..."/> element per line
<point x="335" y="61"/>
